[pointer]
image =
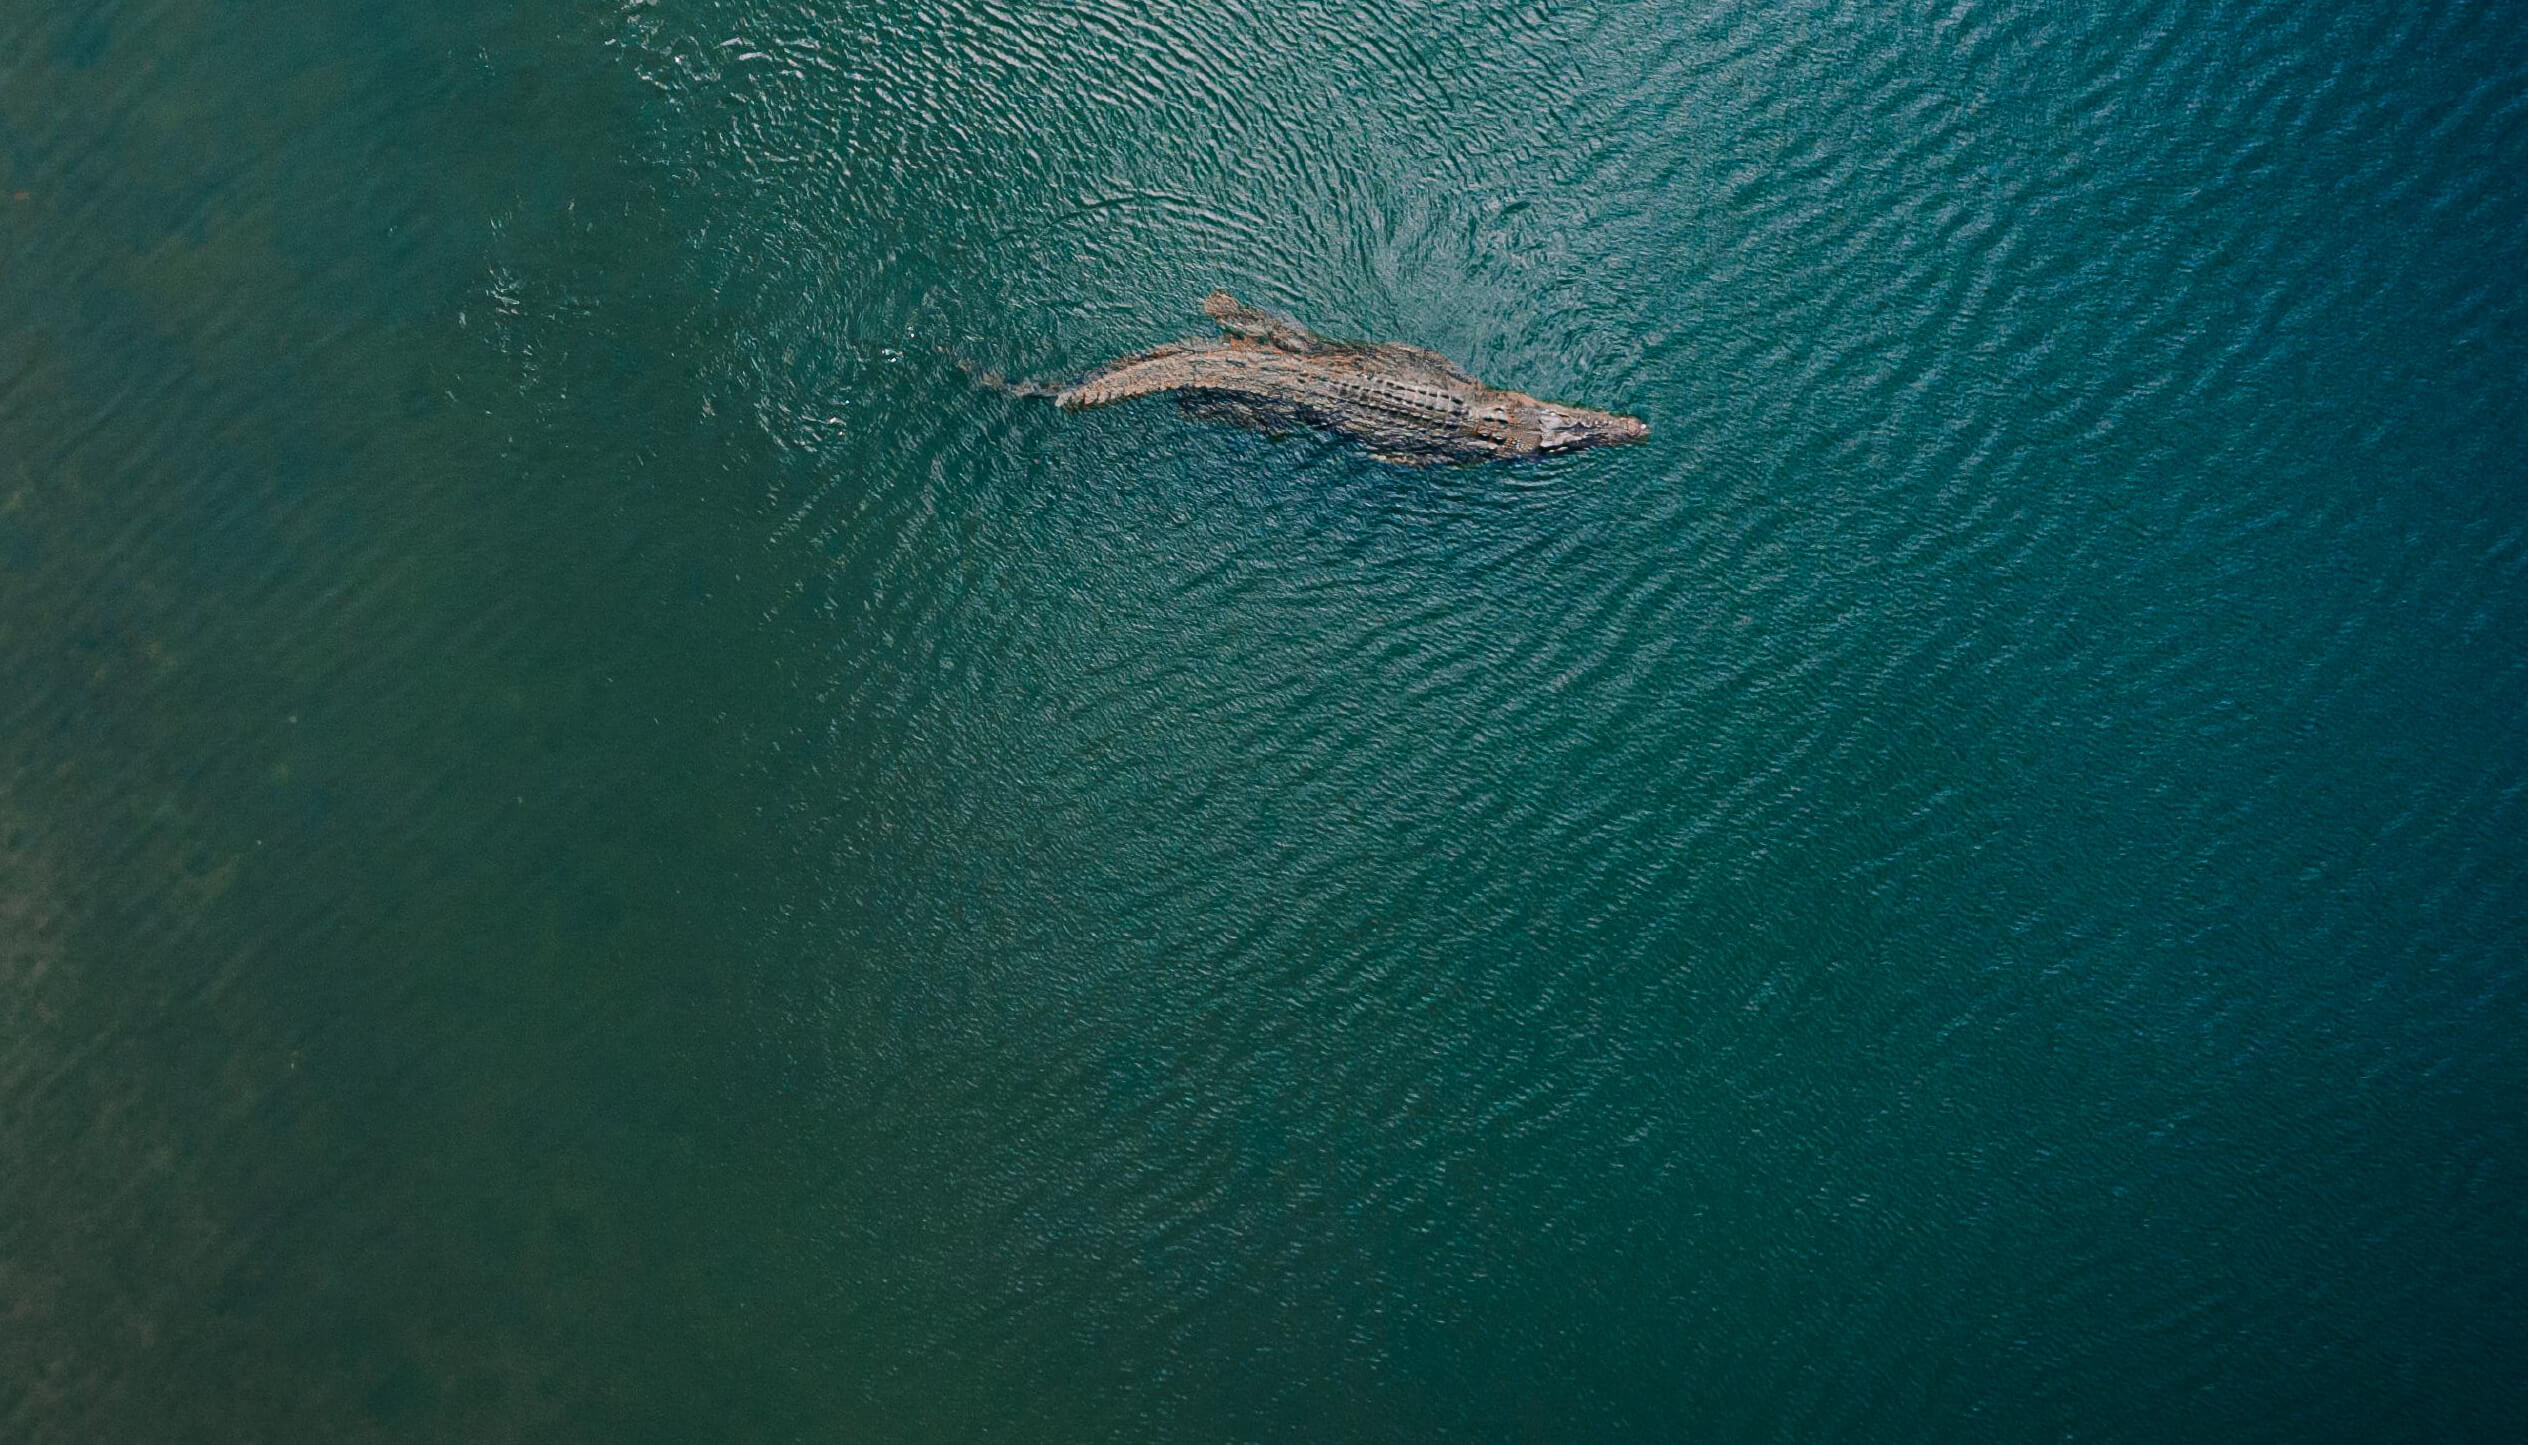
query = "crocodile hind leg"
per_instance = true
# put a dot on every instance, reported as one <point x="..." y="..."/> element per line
<point x="1255" y="324"/>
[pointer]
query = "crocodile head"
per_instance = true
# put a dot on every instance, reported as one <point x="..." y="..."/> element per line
<point x="1569" y="428"/>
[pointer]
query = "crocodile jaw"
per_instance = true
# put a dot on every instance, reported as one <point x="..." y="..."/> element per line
<point x="1569" y="428"/>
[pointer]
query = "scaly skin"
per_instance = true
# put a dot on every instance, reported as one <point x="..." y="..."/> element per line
<point x="1408" y="405"/>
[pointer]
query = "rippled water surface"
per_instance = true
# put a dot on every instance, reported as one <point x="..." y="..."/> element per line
<point x="595" y="843"/>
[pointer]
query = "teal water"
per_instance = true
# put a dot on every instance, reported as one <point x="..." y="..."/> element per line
<point x="596" y="845"/>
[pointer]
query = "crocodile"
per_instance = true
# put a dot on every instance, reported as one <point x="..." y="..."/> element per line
<point x="1408" y="406"/>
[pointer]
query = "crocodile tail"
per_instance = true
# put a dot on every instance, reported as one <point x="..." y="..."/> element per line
<point x="1144" y="373"/>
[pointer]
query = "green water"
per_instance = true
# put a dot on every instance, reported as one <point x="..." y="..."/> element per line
<point x="595" y="844"/>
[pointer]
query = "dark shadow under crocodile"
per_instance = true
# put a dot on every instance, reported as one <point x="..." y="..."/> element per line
<point x="1407" y="405"/>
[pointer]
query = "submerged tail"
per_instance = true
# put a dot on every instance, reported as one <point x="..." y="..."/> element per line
<point x="993" y="379"/>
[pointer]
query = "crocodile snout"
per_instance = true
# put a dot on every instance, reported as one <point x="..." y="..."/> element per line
<point x="1568" y="428"/>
